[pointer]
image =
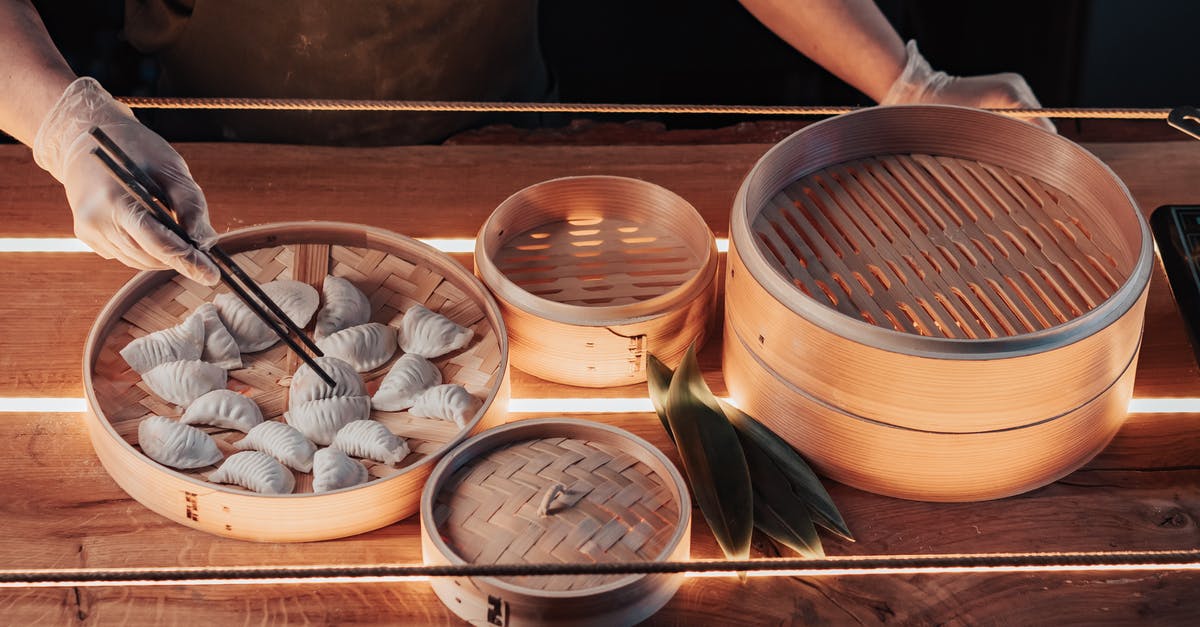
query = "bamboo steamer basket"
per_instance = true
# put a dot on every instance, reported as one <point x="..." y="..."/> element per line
<point x="594" y="272"/>
<point x="551" y="491"/>
<point x="935" y="302"/>
<point x="395" y="272"/>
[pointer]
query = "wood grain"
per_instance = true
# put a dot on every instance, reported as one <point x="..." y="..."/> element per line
<point x="60" y="509"/>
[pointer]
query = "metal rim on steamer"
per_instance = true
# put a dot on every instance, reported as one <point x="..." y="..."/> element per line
<point x="835" y="140"/>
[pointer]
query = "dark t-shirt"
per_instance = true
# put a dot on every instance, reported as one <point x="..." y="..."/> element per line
<point x="356" y="49"/>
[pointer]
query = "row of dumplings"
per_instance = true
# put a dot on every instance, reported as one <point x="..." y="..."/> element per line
<point x="186" y="364"/>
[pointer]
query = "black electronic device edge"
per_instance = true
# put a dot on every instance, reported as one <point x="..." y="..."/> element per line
<point x="1176" y="230"/>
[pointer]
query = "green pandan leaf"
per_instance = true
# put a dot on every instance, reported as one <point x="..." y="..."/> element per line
<point x="712" y="458"/>
<point x="803" y="481"/>
<point x="794" y="532"/>
<point x="658" y="381"/>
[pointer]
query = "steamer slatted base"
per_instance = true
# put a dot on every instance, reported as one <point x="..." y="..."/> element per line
<point x="555" y="491"/>
<point x="395" y="273"/>
<point x="594" y="272"/>
<point x="934" y="302"/>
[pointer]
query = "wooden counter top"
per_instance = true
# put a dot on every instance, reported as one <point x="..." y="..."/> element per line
<point x="59" y="509"/>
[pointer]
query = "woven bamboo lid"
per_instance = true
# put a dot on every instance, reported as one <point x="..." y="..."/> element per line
<point x="556" y="491"/>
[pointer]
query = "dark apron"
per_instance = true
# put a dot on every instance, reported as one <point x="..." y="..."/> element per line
<point x="357" y="49"/>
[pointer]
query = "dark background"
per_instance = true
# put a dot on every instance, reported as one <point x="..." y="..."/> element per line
<point x="1102" y="53"/>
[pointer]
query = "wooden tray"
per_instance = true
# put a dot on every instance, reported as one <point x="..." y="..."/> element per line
<point x="395" y="272"/>
<point x="555" y="491"/>
<point x="938" y="271"/>
<point x="594" y="272"/>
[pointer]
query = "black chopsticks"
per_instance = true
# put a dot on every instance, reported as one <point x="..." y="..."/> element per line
<point x="142" y="187"/>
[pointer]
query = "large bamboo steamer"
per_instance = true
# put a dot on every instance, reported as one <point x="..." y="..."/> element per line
<point x="941" y="271"/>
<point x="593" y="273"/>
<point x="395" y="272"/>
<point x="548" y="491"/>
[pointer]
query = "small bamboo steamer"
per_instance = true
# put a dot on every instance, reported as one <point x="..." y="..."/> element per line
<point x="555" y="490"/>
<point x="594" y="272"/>
<point x="395" y="272"/>
<point x="935" y="271"/>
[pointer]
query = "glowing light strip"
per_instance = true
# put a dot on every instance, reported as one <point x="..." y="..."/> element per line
<point x="72" y="245"/>
<point x="42" y="245"/>
<point x="568" y="405"/>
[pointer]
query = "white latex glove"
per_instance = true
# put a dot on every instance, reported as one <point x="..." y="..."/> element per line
<point x="919" y="84"/>
<point x="107" y="218"/>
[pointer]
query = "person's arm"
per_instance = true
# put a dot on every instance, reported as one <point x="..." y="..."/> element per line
<point x="32" y="71"/>
<point x="46" y="107"/>
<point x="853" y="40"/>
<point x="850" y="38"/>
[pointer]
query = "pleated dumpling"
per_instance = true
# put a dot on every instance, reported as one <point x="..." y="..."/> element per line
<point x="308" y="386"/>
<point x="183" y="342"/>
<point x="321" y="419"/>
<point x="223" y="408"/>
<point x="220" y="349"/>
<point x="298" y="300"/>
<point x="334" y="470"/>
<point x="281" y="441"/>
<point x="430" y="334"/>
<point x="345" y="306"/>
<point x="449" y="401"/>
<point x="365" y="346"/>
<point x="175" y="444"/>
<point x="181" y="382"/>
<point x="408" y="377"/>
<point x="255" y="471"/>
<point x="371" y="440"/>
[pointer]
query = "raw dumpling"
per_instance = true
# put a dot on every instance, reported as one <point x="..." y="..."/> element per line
<point x="223" y="408"/>
<point x="220" y="349"/>
<point x="334" y="470"/>
<point x="371" y="440"/>
<point x="182" y="382"/>
<point x="281" y="441"/>
<point x="365" y="346"/>
<point x="176" y="445"/>
<point x="345" y="306"/>
<point x="298" y="300"/>
<point x="255" y="471"/>
<point x="450" y="401"/>
<point x="431" y="334"/>
<point x="321" y="419"/>
<point x="308" y="386"/>
<point x="182" y="342"/>
<point x="409" y="376"/>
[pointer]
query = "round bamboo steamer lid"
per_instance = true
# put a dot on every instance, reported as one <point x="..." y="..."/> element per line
<point x="395" y="272"/>
<point x="548" y="491"/>
<point x="594" y="272"/>
<point x="939" y="270"/>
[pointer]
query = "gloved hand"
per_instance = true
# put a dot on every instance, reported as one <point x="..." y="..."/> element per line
<point x="107" y="218"/>
<point x="919" y="84"/>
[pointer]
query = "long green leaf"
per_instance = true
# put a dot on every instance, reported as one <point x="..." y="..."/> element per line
<point x="790" y="533"/>
<point x="777" y="510"/>
<point x="804" y="482"/>
<point x="712" y="458"/>
<point x="658" y="382"/>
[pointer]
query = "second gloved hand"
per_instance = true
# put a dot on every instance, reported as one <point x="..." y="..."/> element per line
<point x="919" y="84"/>
<point x="107" y="218"/>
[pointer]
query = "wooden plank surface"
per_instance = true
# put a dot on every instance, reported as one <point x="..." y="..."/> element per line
<point x="60" y="509"/>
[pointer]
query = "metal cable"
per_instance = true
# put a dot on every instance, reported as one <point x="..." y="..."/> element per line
<point x="315" y="104"/>
<point x="841" y="566"/>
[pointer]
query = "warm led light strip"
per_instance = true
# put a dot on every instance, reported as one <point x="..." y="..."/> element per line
<point x="1118" y="561"/>
<point x="570" y="405"/>
<point x="72" y="245"/>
